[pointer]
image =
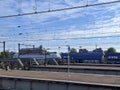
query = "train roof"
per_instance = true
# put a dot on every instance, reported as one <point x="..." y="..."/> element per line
<point x="112" y="54"/>
<point x="86" y="55"/>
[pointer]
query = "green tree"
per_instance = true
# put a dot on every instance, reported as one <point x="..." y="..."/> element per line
<point x="111" y="49"/>
<point x="5" y="54"/>
<point x="73" y="50"/>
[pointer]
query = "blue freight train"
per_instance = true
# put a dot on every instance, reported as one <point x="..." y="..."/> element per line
<point x="112" y="58"/>
<point x="92" y="57"/>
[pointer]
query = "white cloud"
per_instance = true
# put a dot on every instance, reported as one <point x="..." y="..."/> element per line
<point x="105" y="0"/>
<point x="95" y="17"/>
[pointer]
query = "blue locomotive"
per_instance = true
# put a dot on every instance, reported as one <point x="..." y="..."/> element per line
<point x="92" y="57"/>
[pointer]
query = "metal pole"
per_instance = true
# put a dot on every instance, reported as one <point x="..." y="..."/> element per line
<point x="33" y="46"/>
<point x="46" y="56"/>
<point x="68" y="60"/>
<point x="4" y="49"/>
<point x="68" y="63"/>
<point x="18" y="50"/>
<point x="45" y="59"/>
<point x="59" y="49"/>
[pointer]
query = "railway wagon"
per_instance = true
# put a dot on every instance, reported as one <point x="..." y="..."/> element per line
<point x="112" y="58"/>
<point x="86" y="57"/>
<point x="92" y="57"/>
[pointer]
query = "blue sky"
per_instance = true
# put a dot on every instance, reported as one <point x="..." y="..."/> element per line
<point x="86" y="27"/>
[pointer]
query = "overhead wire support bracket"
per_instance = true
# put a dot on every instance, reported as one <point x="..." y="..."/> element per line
<point x="35" y="8"/>
<point x="63" y="9"/>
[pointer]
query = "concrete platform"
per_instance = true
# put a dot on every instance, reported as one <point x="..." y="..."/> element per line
<point x="31" y="80"/>
<point x="93" y="78"/>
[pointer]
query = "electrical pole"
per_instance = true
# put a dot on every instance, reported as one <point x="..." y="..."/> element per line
<point x="4" y="49"/>
<point x="18" y="50"/>
<point x="33" y="46"/>
<point x="45" y="58"/>
<point x="68" y="66"/>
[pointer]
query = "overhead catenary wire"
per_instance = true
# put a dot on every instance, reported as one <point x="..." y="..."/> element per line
<point x="44" y="22"/>
<point x="87" y="44"/>
<point x="62" y="9"/>
<point x="69" y="38"/>
<point x="94" y="27"/>
<point x="61" y="35"/>
<point x="58" y="39"/>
